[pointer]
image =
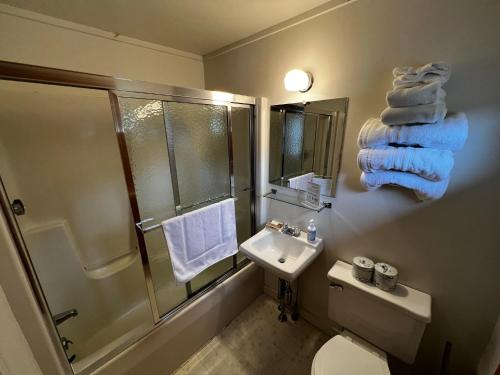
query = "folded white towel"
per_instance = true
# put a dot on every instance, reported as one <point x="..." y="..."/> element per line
<point x="424" y="94"/>
<point x="438" y="68"/>
<point x="424" y="189"/>
<point x="449" y="134"/>
<point x="418" y="114"/>
<point x="201" y="238"/>
<point x="399" y="83"/>
<point x="428" y="163"/>
<point x="408" y="76"/>
<point x="300" y="182"/>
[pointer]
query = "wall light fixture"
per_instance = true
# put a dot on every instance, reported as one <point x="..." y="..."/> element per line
<point x="298" y="80"/>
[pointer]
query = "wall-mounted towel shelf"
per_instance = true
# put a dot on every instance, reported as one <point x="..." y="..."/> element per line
<point x="296" y="200"/>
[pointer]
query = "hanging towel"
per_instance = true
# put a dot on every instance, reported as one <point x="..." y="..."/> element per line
<point x="425" y="94"/>
<point x="408" y="76"/>
<point x="300" y="182"/>
<point x="449" y="134"/>
<point x="424" y="189"/>
<point x="432" y="164"/>
<point x="419" y="114"/>
<point x="201" y="238"/>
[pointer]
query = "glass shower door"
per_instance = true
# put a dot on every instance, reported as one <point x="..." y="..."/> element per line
<point x="143" y="127"/>
<point x="199" y="160"/>
<point x="241" y="140"/>
<point x="180" y="156"/>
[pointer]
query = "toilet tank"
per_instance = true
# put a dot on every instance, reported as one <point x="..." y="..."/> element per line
<point x="393" y="321"/>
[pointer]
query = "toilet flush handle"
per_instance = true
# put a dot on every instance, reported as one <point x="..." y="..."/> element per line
<point x="337" y="287"/>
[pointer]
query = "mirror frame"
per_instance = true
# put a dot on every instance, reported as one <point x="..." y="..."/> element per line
<point x="339" y="131"/>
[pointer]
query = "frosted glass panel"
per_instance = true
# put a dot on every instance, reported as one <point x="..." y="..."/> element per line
<point x="144" y="128"/>
<point x="200" y="145"/>
<point x="168" y="293"/>
<point x="143" y="125"/>
<point x="243" y="218"/>
<point x="294" y="135"/>
<point x="309" y="139"/>
<point x="240" y="123"/>
<point x="275" y="147"/>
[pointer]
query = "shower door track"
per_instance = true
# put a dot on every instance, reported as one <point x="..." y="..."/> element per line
<point x="137" y="89"/>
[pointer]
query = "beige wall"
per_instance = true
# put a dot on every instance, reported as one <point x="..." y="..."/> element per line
<point x="447" y="248"/>
<point x="32" y="38"/>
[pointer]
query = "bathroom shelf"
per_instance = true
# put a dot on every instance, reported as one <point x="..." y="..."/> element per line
<point x="296" y="200"/>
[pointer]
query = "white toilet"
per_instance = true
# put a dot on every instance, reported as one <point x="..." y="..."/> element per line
<point x="374" y="322"/>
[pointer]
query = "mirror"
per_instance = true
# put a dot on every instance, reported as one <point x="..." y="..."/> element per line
<point x="305" y="144"/>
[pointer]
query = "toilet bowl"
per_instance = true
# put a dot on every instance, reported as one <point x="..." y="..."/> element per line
<point x="374" y="322"/>
<point x="349" y="354"/>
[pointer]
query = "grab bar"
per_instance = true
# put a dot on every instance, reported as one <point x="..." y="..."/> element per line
<point x="180" y="208"/>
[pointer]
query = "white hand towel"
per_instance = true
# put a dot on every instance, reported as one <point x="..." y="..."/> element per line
<point x="201" y="238"/>
<point x="449" y="134"/>
<point x="432" y="164"/>
<point x="424" y="189"/>
<point x="419" y="114"/>
<point x="424" y="94"/>
<point x="408" y="76"/>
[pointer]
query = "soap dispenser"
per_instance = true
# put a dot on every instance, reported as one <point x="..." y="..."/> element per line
<point x="311" y="231"/>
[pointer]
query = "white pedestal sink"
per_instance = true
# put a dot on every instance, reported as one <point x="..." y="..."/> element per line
<point x="281" y="254"/>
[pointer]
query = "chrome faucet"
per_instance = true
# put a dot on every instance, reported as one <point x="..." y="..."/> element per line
<point x="291" y="231"/>
<point x="65" y="315"/>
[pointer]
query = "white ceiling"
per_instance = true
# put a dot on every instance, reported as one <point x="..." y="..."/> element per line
<point x="197" y="26"/>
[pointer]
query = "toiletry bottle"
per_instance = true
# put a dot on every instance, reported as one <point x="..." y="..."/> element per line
<point x="311" y="231"/>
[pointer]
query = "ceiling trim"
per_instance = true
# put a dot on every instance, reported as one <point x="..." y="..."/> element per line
<point x="57" y="22"/>
<point x="282" y="26"/>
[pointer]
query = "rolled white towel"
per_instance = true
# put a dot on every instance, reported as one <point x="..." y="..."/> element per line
<point x="449" y="134"/>
<point x="423" y="188"/>
<point x="431" y="164"/>
<point x="418" y="114"/>
<point x="418" y="95"/>
<point x="408" y="76"/>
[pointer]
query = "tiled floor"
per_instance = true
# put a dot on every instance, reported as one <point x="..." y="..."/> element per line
<point x="257" y="343"/>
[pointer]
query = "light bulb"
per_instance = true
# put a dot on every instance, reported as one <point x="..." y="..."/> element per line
<point x="298" y="80"/>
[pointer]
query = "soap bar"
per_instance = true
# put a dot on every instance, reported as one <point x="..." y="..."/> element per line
<point x="274" y="224"/>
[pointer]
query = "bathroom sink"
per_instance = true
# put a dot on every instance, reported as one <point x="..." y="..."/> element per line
<point x="284" y="255"/>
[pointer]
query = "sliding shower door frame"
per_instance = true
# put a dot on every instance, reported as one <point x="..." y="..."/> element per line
<point x="190" y="294"/>
<point x="136" y="89"/>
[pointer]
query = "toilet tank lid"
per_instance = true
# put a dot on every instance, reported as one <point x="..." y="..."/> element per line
<point x="409" y="300"/>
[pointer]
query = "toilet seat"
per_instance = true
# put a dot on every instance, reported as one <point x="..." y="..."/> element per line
<point x="344" y="355"/>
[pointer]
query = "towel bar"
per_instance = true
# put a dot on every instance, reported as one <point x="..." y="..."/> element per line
<point x="140" y="224"/>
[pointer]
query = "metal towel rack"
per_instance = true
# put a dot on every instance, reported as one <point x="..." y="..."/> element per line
<point x="180" y="208"/>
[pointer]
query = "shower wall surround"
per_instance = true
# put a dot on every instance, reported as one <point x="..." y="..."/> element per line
<point x="351" y="51"/>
